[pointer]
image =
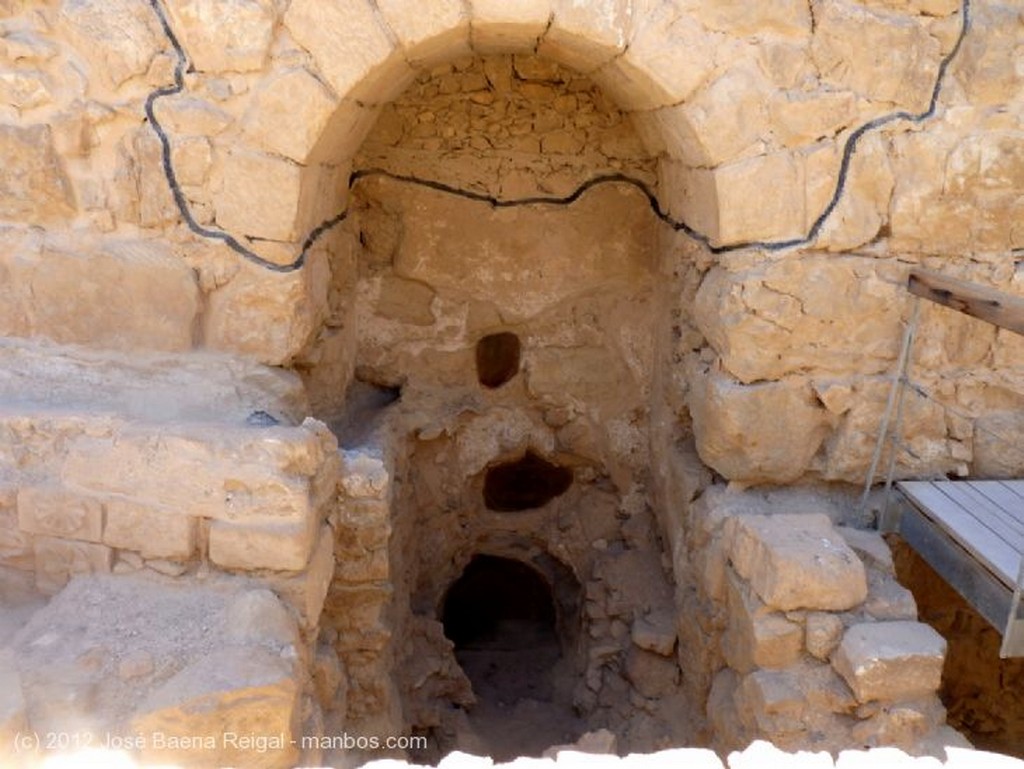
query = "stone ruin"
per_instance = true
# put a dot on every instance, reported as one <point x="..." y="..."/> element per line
<point x="496" y="373"/>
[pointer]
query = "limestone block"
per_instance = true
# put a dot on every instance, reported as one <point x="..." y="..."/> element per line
<point x="745" y="215"/>
<point x="794" y="314"/>
<point x="344" y="134"/>
<point x="358" y="615"/>
<point x="192" y="158"/>
<point x="759" y="433"/>
<point x="727" y="116"/>
<point x="242" y="691"/>
<point x="772" y="700"/>
<point x="890" y="660"/>
<point x="429" y="33"/>
<point x="57" y="560"/>
<point x="289" y="113"/>
<point x="796" y="561"/>
<point x="350" y="48"/>
<point x="755" y="636"/>
<point x="888" y="599"/>
<point x="306" y="592"/>
<point x="689" y="194"/>
<point x="823" y="632"/>
<point x="34" y="186"/>
<point x="277" y="546"/>
<point x="884" y="56"/>
<point x="584" y="36"/>
<point x="119" y="38"/>
<point x="117" y="294"/>
<point x="504" y="26"/>
<point x="225" y="472"/>
<point x="801" y="117"/>
<point x="257" y="196"/>
<point x="851" y="446"/>
<point x="265" y="315"/>
<point x="151" y="387"/>
<point x="669" y="55"/>
<point x="55" y="512"/>
<point x="153" y="532"/>
<point x="187" y="114"/>
<point x="791" y="18"/>
<point x="225" y="35"/>
<point x="981" y="63"/>
<point x="995" y="457"/>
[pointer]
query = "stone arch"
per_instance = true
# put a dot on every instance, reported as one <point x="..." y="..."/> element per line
<point x="306" y="121"/>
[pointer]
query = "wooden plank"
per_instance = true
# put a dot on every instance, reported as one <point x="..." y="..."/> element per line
<point x="988" y="304"/>
<point x="987" y="512"/>
<point x="1009" y="504"/>
<point x="979" y="587"/>
<point x="984" y="544"/>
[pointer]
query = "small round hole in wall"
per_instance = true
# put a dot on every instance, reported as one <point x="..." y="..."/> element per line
<point x="497" y="358"/>
<point x="524" y="484"/>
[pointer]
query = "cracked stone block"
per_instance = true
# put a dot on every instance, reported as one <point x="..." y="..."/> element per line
<point x="756" y="637"/>
<point x="796" y="561"/>
<point x="890" y="660"/>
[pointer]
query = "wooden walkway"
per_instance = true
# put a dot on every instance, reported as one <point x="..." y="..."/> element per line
<point x="972" y="533"/>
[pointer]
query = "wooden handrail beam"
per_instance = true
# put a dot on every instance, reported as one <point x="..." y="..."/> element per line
<point x="989" y="304"/>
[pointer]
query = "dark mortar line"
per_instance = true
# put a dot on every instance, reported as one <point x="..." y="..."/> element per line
<point x="678" y="225"/>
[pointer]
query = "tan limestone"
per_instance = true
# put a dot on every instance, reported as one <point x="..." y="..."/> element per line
<point x="890" y="660"/>
<point x="225" y="35"/>
<point x="508" y="27"/>
<point x="758" y="433"/>
<point x="34" y="186"/>
<point x="428" y="33"/>
<point x="152" y="532"/>
<point x="796" y="562"/>
<point x="584" y="37"/>
<point x="288" y="115"/>
<point x="756" y="637"/>
<point x="363" y="66"/>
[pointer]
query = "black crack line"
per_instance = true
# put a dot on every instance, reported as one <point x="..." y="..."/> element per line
<point x="849" y="149"/>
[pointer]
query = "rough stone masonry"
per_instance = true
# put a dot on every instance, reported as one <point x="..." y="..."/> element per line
<point x="308" y="306"/>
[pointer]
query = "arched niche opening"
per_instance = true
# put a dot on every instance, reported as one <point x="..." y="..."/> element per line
<point x="449" y="242"/>
<point x="514" y="632"/>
